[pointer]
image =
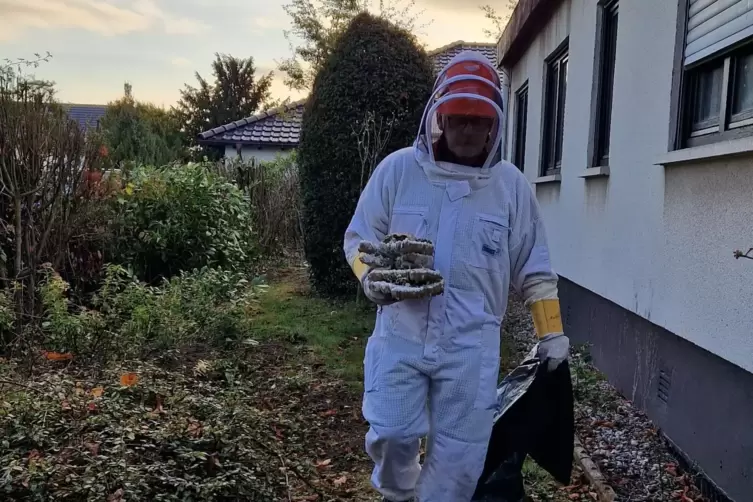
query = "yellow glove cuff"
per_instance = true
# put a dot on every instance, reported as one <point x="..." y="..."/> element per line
<point x="359" y="268"/>
<point x="546" y="317"/>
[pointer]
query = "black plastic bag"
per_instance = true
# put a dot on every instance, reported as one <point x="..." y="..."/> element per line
<point x="535" y="418"/>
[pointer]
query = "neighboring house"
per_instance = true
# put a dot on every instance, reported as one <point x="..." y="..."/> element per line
<point x="633" y="120"/>
<point x="277" y="131"/>
<point x="261" y="136"/>
<point x="87" y="116"/>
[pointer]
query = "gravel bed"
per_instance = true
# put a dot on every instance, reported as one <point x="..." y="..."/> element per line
<point x="622" y="441"/>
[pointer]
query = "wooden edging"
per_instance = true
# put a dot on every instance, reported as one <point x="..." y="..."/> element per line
<point x="592" y="472"/>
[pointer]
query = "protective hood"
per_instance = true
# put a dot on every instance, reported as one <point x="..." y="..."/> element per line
<point x="469" y="85"/>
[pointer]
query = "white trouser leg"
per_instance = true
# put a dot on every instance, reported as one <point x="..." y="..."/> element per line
<point x="394" y="404"/>
<point x="462" y="400"/>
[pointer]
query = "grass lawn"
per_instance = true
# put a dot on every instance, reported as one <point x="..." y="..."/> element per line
<point x="335" y="332"/>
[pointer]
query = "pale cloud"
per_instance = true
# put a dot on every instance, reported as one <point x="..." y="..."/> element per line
<point x="181" y="62"/>
<point x="98" y="16"/>
<point x="259" y="25"/>
<point x="185" y="26"/>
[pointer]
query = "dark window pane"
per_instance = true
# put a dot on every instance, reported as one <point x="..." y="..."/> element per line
<point x="556" y="91"/>
<point x="608" y="57"/>
<point x="706" y="100"/>
<point x="742" y="95"/>
<point x="561" y="93"/>
<point x="521" y="120"/>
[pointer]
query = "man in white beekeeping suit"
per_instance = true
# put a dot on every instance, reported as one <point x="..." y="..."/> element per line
<point x="431" y="366"/>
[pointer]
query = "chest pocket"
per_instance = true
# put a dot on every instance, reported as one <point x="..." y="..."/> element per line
<point x="409" y="220"/>
<point x="489" y="249"/>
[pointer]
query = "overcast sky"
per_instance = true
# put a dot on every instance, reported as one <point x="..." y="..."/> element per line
<point x="157" y="45"/>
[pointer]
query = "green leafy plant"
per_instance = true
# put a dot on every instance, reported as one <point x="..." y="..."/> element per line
<point x="181" y="218"/>
<point x="376" y="71"/>
<point x="136" y="132"/>
<point x="133" y="319"/>
<point x="273" y="190"/>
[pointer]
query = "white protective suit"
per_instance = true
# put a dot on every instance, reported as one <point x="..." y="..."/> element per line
<point x="431" y="365"/>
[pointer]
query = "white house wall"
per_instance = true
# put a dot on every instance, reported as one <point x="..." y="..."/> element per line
<point x="657" y="241"/>
<point x="264" y="154"/>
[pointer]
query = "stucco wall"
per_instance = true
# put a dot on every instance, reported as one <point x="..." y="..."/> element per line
<point x="265" y="154"/>
<point x="656" y="241"/>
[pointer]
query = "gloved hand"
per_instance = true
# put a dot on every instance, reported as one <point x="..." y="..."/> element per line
<point x="376" y="296"/>
<point x="553" y="349"/>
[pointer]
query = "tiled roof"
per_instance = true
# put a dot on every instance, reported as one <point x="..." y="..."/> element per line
<point x="443" y="55"/>
<point x="86" y="115"/>
<point x="277" y="127"/>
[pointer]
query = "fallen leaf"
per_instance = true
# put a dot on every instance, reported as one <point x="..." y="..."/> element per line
<point x="671" y="469"/>
<point x="574" y="496"/>
<point x="214" y="462"/>
<point x="278" y="433"/>
<point x="34" y="455"/>
<point x="194" y="428"/>
<point x="129" y="379"/>
<point x="97" y="391"/>
<point x="57" y="356"/>
<point x="65" y="405"/>
<point x="93" y="448"/>
<point x="91" y="407"/>
<point x="158" y="407"/>
<point x="329" y="413"/>
<point x="117" y="496"/>
<point x="341" y="480"/>
<point x="321" y="464"/>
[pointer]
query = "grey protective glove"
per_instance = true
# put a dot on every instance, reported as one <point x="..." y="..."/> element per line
<point x="378" y="297"/>
<point x="553" y="349"/>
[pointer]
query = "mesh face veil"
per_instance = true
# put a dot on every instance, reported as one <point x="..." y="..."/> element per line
<point x="468" y="88"/>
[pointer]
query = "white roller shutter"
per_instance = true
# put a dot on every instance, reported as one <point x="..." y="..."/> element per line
<point x="714" y="25"/>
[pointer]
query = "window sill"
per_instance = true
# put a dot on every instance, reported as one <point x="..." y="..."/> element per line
<point x="711" y="151"/>
<point x="552" y="178"/>
<point x="595" y="172"/>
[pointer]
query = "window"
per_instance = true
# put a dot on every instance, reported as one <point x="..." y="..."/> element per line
<point x="605" y="58"/>
<point x="713" y="77"/>
<point x="521" y="122"/>
<point x="719" y="98"/>
<point x="554" y="110"/>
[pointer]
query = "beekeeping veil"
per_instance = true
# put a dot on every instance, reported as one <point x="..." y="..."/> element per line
<point x="468" y="86"/>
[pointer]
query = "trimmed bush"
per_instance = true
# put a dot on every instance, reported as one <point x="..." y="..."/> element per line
<point x="133" y="319"/>
<point x="376" y="71"/>
<point x="181" y="218"/>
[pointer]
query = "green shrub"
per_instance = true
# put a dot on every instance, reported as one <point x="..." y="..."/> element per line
<point x="136" y="132"/>
<point x="179" y="218"/>
<point x="133" y="319"/>
<point x="376" y="70"/>
<point x="273" y="190"/>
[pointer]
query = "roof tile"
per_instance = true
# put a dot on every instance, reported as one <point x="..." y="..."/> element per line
<point x="86" y="115"/>
<point x="264" y="128"/>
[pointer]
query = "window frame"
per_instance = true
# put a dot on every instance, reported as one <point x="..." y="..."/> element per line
<point x="681" y="133"/>
<point x="605" y="64"/>
<point x="520" y="127"/>
<point x="553" y="118"/>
